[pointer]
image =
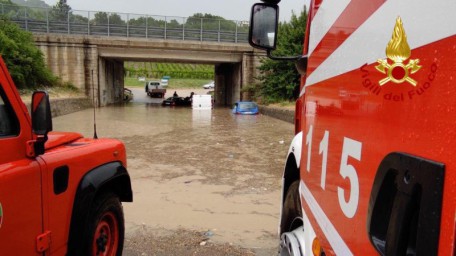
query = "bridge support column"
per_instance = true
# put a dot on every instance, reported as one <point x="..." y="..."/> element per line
<point x="228" y="78"/>
<point x="111" y="81"/>
<point x="74" y="61"/>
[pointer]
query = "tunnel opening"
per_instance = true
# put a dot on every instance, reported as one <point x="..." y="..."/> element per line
<point x="118" y="76"/>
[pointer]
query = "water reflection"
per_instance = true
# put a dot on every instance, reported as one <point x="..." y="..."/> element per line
<point x="241" y="120"/>
<point x="201" y="117"/>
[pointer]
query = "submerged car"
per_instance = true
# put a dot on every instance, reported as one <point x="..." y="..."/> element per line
<point x="178" y="101"/>
<point x="127" y="95"/>
<point x="173" y="101"/>
<point x="245" y="108"/>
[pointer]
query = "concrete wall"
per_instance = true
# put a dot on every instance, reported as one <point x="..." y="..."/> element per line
<point x="111" y="81"/>
<point x="72" y="61"/>
<point x="250" y="64"/>
<point x="286" y="115"/>
<point x="60" y="107"/>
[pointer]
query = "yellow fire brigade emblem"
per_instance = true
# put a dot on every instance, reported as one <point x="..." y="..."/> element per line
<point x="398" y="51"/>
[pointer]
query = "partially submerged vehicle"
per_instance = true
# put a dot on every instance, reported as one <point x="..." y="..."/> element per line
<point x="245" y="108"/>
<point x="176" y="101"/>
<point x="127" y="95"/>
<point x="202" y="101"/>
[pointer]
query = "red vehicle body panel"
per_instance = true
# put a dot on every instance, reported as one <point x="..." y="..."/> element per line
<point x="352" y="111"/>
<point x="28" y="203"/>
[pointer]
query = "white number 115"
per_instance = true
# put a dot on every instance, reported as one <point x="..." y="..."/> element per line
<point x="350" y="148"/>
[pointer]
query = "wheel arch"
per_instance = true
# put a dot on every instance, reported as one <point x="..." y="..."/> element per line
<point x="290" y="174"/>
<point x="291" y="171"/>
<point x="107" y="177"/>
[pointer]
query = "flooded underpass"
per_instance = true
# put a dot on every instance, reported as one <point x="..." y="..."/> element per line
<point x="205" y="182"/>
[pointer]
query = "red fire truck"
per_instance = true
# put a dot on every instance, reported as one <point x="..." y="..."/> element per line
<point x="60" y="193"/>
<point x="372" y="168"/>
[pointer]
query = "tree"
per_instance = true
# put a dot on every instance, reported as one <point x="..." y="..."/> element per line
<point x="279" y="79"/>
<point x="210" y="22"/>
<point x="30" y="3"/>
<point x="115" y="18"/>
<point x="60" y="11"/>
<point x="23" y="59"/>
<point x="103" y="18"/>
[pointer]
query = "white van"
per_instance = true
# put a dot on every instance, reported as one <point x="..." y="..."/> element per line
<point x="202" y="101"/>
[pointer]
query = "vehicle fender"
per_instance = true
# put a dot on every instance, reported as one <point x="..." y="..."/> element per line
<point x="296" y="147"/>
<point x="291" y="174"/>
<point x="291" y="169"/>
<point x="108" y="177"/>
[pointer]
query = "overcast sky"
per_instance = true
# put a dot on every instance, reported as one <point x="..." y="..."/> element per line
<point x="228" y="9"/>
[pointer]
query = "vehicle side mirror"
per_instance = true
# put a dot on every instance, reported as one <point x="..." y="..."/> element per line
<point x="264" y="20"/>
<point x="263" y="26"/>
<point x="41" y="114"/>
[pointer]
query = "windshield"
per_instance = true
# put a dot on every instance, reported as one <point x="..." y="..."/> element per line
<point x="246" y="105"/>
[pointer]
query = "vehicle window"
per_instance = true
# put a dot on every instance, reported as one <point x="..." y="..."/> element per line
<point x="8" y="120"/>
<point x="247" y="105"/>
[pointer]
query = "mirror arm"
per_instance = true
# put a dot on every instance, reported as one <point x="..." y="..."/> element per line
<point x="39" y="144"/>
<point x="287" y="58"/>
<point x="300" y="61"/>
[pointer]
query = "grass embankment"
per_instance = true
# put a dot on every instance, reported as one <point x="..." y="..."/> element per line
<point x="57" y="92"/>
<point x="174" y="83"/>
<point x="284" y="104"/>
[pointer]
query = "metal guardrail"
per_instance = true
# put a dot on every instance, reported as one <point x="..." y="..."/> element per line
<point x="49" y="20"/>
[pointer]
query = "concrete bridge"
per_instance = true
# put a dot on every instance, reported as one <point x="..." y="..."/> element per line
<point x="96" y="63"/>
<point x="88" y="48"/>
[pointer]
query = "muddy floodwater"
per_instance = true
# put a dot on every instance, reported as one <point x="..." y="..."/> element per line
<point x="205" y="182"/>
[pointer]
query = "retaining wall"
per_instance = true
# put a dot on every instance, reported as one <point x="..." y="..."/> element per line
<point x="286" y="115"/>
<point x="60" y="107"/>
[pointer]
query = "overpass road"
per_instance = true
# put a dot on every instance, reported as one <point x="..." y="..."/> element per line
<point x="204" y="182"/>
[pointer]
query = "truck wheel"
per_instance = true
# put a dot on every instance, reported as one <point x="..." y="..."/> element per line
<point x="291" y="226"/>
<point x="291" y="209"/>
<point x="105" y="229"/>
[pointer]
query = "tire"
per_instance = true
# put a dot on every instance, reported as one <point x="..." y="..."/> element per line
<point x="105" y="230"/>
<point x="291" y="209"/>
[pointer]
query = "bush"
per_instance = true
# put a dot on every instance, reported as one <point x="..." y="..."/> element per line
<point x="24" y="60"/>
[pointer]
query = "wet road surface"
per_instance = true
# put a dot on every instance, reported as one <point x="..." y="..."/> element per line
<point x="205" y="182"/>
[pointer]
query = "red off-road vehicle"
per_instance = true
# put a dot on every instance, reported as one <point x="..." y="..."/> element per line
<point x="60" y="193"/>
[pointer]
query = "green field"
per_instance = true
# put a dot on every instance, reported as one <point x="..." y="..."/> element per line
<point x="174" y="83"/>
<point x="174" y="70"/>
